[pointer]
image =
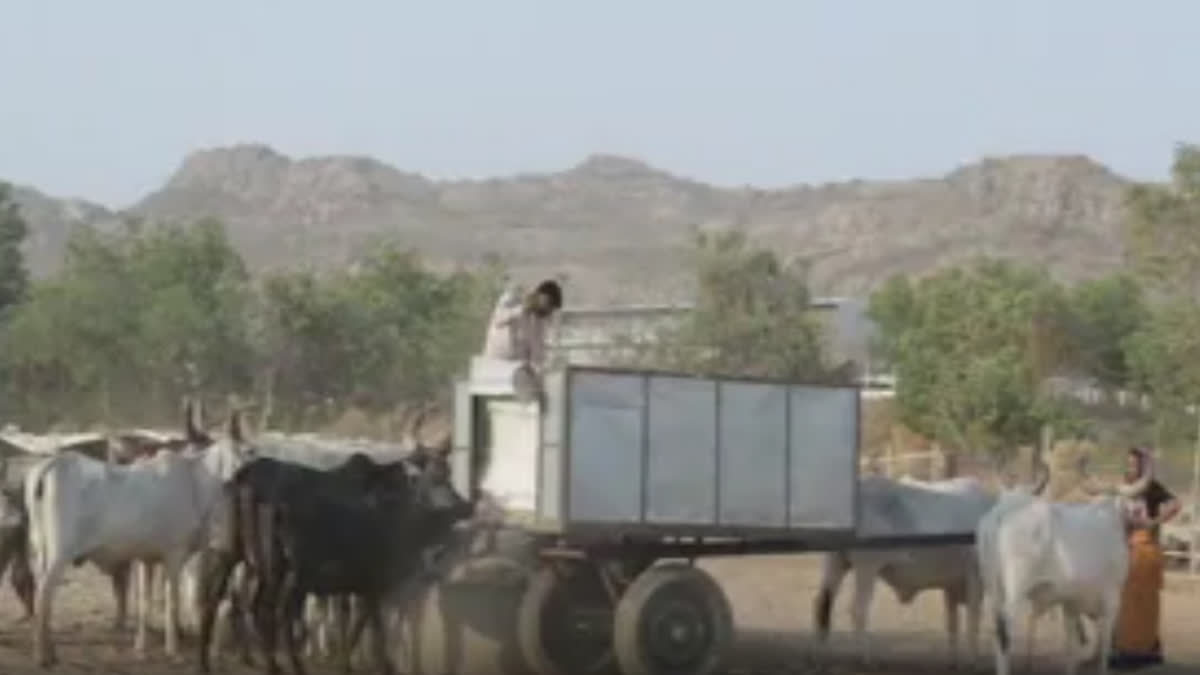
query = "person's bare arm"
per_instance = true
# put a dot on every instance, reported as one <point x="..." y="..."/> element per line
<point x="1168" y="510"/>
<point x="508" y="307"/>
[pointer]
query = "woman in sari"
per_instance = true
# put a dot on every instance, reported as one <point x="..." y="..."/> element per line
<point x="1137" y="641"/>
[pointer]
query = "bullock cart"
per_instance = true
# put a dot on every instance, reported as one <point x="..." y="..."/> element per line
<point x="619" y="479"/>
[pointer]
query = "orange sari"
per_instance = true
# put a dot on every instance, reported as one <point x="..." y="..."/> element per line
<point x="1138" y="623"/>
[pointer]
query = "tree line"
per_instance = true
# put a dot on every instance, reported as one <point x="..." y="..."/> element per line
<point x="977" y="348"/>
<point x="137" y="318"/>
<point x="982" y="351"/>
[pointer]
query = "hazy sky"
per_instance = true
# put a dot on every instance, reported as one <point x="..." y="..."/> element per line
<point x="102" y="98"/>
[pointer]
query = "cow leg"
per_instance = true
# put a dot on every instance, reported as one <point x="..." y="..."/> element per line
<point x="43" y="646"/>
<point x="20" y="577"/>
<point x="864" y="592"/>
<point x="289" y="610"/>
<point x="1106" y="623"/>
<point x="262" y="608"/>
<point x="189" y="594"/>
<point x="15" y="559"/>
<point x="239" y="615"/>
<point x="1070" y="619"/>
<point x="172" y="568"/>
<point x="347" y="635"/>
<point x="355" y="634"/>
<point x="974" y="602"/>
<point x="267" y="576"/>
<point x="216" y="566"/>
<point x="371" y="610"/>
<point x="834" y="570"/>
<point x="119" y="577"/>
<point x="233" y="622"/>
<point x="143" y="608"/>
<point x="1002" y="640"/>
<point x="950" y="601"/>
<point x="312" y="620"/>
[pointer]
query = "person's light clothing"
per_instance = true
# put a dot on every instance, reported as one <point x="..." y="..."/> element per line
<point x="515" y="333"/>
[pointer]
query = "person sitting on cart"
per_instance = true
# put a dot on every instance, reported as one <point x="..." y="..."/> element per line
<point x="519" y="324"/>
<point x="1149" y="504"/>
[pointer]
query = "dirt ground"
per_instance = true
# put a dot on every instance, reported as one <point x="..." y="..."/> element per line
<point x="772" y="598"/>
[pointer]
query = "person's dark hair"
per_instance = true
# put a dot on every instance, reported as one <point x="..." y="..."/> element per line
<point x="551" y="290"/>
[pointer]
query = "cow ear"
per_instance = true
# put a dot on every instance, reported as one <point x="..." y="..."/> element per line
<point x="235" y="426"/>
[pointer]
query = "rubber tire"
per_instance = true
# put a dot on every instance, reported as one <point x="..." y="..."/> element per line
<point x="672" y="581"/>
<point x="542" y="588"/>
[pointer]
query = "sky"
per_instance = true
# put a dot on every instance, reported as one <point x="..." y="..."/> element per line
<point x="103" y="99"/>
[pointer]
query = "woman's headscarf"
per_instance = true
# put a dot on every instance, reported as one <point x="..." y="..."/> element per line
<point x="1134" y="486"/>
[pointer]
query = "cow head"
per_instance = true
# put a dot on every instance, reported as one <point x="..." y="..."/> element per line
<point x="1035" y="488"/>
<point x="434" y="492"/>
<point x="419" y="451"/>
<point x="224" y="456"/>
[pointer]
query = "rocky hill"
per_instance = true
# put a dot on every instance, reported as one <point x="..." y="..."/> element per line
<point x="617" y="227"/>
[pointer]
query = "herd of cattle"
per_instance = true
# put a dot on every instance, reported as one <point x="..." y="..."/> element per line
<point x="241" y="531"/>
<point x="243" y="536"/>
<point x="1030" y="555"/>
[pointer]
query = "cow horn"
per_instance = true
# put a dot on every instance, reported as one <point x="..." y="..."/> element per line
<point x="191" y="426"/>
<point x="412" y="430"/>
<point x="1042" y="479"/>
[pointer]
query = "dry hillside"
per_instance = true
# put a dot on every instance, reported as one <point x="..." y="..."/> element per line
<point x="616" y="226"/>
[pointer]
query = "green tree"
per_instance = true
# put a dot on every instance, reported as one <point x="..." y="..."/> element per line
<point x="971" y="348"/>
<point x="1105" y="314"/>
<point x="134" y="320"/>
<point x="1163" y="233"/>
<point x="14" y="277"/>
<point x="752" y="316"/>
<point x="385" y="332"/>
<point x="1163" y="355"/>
<point x="1163" y="236"/>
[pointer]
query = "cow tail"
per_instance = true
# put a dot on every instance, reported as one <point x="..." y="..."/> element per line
<point x="837" y="564"/>
<point x="40" y="495"/>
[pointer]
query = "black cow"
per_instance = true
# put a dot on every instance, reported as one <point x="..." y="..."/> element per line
<point x="300" y="530"/>
<point x="360" y="547"/>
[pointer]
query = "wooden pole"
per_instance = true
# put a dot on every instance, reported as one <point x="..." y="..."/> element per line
<point x="1194" y="526"/>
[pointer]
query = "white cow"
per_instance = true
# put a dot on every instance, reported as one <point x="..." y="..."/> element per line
<point x="1035" y="555"/>
<point x="154" y="511"/>
<point x="900" y="507"/>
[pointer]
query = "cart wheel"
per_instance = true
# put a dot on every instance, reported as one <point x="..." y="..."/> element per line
<point x="672" y="620"/>
<point x="564" y="624"/>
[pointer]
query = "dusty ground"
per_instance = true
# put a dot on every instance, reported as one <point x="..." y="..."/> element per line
<point x="772" y="602"/>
